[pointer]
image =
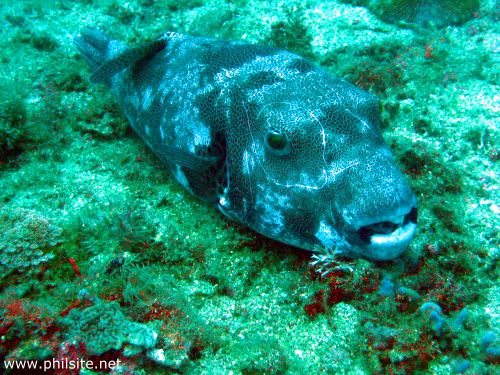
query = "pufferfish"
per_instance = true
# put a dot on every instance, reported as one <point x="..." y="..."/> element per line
<point x="275" y="142"/>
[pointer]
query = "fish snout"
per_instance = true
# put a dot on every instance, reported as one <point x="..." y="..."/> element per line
<point x="387" y="235"/>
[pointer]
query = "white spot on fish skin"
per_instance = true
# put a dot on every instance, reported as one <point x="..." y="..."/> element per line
<point x="162" y="133"/>
<point x="258" y="152"/>
<point x="272" y="219"/>
<point x="202" y="136"/>
<point x="189" y="131"/>
<point x="147" y="98"/>
<point x="248" y="163"/>
<point x="223" y="202"/>
<point x="181" y="178"/>
<point x="325" y="235"/>
<point x="225" y="74"/>
<point x="224" y="206"/>
<point x="147" y="130"/>
<point x="271" y="208"/>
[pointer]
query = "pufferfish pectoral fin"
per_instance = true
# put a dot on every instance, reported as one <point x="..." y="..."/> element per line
<point x="185" y="159"/>
<point x="205" y="175"/>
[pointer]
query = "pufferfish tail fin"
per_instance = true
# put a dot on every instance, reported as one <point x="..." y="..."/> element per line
<point x="107" y="56"/>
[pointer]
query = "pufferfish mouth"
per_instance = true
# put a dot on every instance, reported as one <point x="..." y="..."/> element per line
<point x="386" y="237"/>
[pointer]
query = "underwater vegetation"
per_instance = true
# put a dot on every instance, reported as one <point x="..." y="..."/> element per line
<point x="27" y="244"/>
<point x="291" y="34"/>
<point x="13" y="135"/>
<point x="103" y="327"/>
<point x="439" y="13"/>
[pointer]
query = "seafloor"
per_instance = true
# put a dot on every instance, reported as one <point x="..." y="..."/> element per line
<point x="104" y="256"/>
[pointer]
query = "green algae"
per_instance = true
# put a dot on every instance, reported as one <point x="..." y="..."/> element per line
<point x="13" y="132"/>
<point x="103" y="327"/>
<point x="28" y="242"/>
<point x="292" y="34"/>
<point x="220" y="297"/>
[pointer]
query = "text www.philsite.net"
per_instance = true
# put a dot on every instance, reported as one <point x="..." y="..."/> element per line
<point x="64" y="364"/>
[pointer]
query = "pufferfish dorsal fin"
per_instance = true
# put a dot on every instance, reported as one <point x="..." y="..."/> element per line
<point x="126" y="59"/>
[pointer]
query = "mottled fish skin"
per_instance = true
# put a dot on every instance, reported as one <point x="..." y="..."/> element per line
<point x="275" y="142"/>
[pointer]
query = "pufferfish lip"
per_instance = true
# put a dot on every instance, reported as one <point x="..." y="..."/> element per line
<point x="386" y="237"/>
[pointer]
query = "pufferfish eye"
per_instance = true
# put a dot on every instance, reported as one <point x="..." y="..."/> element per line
<point x="277" y="143"/>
